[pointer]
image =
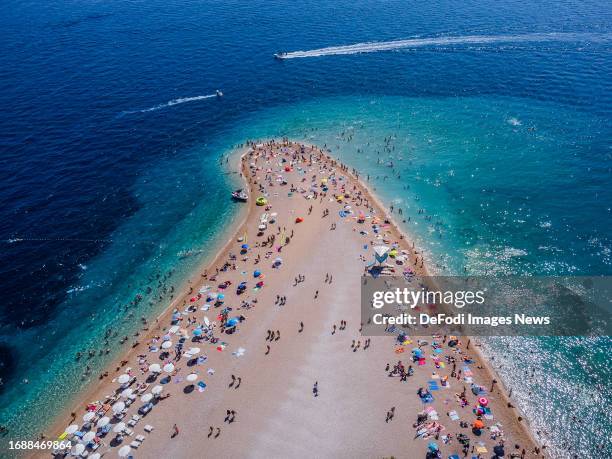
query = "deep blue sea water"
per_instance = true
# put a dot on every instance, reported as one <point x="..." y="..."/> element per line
<point x="110" y="165"/>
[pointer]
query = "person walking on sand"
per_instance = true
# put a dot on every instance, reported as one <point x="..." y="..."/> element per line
<point x="175" y="431"/>
<point x="315" y="389"/>
<point x="301" y="329"/>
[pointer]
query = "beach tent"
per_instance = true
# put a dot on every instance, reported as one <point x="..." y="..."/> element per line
<point x="124" y="451"/>
<point x="166" y="345"/>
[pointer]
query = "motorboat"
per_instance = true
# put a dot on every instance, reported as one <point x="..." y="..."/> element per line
<point x="240" y="195"/>
<point x="219" y="93"/>
<point x="280" y="55"/>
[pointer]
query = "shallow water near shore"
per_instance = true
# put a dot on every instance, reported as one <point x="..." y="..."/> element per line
<point x="113" y="184"/>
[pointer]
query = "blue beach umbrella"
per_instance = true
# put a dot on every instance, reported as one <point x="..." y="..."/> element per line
<point x="232" y="322"/>
<point x="433" y="446"/>
<point x="197" y="332"/>
<point x="257" y="273"/>
<point x="220" y="296"/>
<point x="245" y="246"/>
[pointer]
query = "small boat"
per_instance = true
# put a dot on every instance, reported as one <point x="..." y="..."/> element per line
<point x="240" y="195"/>
<point x="219" y="93"/>
<point x="280" y="55"/>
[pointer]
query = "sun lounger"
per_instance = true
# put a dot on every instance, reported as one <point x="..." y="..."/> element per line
<point x="148" y="428"/>
<point x="140" y="438"/>
<point x="135" y="444"/>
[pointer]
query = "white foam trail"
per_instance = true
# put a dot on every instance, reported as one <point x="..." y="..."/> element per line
<point x="170" y="103"/>
<point x="371" y="47"/>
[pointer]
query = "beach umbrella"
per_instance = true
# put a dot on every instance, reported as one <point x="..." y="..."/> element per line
<point x="124" y="451"/>
<point x="87" y="417"/>
<point x="89" y="436"/>
<point x="433" y="446"/>
<point x="77" y="449"/>
<point x="122" y="379"/>
<point x="157" y="390"/>
<point x="169" y="368"/>
<point x="478" y="424"/>
<point x="119" y="427"/>
<point x="232" y="322"/>
<point x="220" y="296"/>
<point x="118" y="407"/>
<point x="103" y="421"/>
<point x="155" y="368"/>
<point x="71" y="429"/>
<point x="191" y="377"/>
<point x="146" y="398"/>
<point x="482" y="401"/>
<point x="193" y="350"/>
<point x="499" y="450"/>
<point x="127" y="392"/>
<point x="95" y="456"/>
<point x="245" y="246"/>
<point x="256" y="273"/>
<point x="166" y="345"/>
<point x="197" y="332"/>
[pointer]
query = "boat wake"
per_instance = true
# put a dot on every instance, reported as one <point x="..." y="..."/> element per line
<point x="170" y="103"/>
<point x="371" y="47"/>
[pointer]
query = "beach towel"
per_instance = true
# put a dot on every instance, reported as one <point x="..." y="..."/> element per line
<point x="454" y="416"/>
<point x="433" y="385"/>
<point x="201" y="386"/>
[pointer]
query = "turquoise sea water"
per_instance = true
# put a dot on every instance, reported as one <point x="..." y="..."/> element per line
<point x="111" y="166"/>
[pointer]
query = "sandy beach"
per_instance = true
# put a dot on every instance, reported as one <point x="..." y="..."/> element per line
<point x="282" y="368"/>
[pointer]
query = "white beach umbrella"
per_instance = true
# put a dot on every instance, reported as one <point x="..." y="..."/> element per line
<point x="89" y="436"/>
<point x="95" y="456"/>
<point x="155" y="368"/>
<point x="72" y="429"/>
<point x="157" y="390"/>
<point x="127" y="392"/>
<point x="124" y="451"/>
<point x="87" y="417"/>
<point x="193" y="351"/>
<point x="119" y="427"/>
<point x="166" y="345"/>
<point x="118" y="407"/>
<point x="146" y="398"/>
<point x="122" y="379"/>
<point x="77" y="449"/>
<point x="103" y="421"/>
<point x="191" y="377"/>
<point x="169" y="367"/>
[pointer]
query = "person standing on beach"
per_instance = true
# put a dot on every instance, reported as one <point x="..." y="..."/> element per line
<point x="175" y="431"/>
